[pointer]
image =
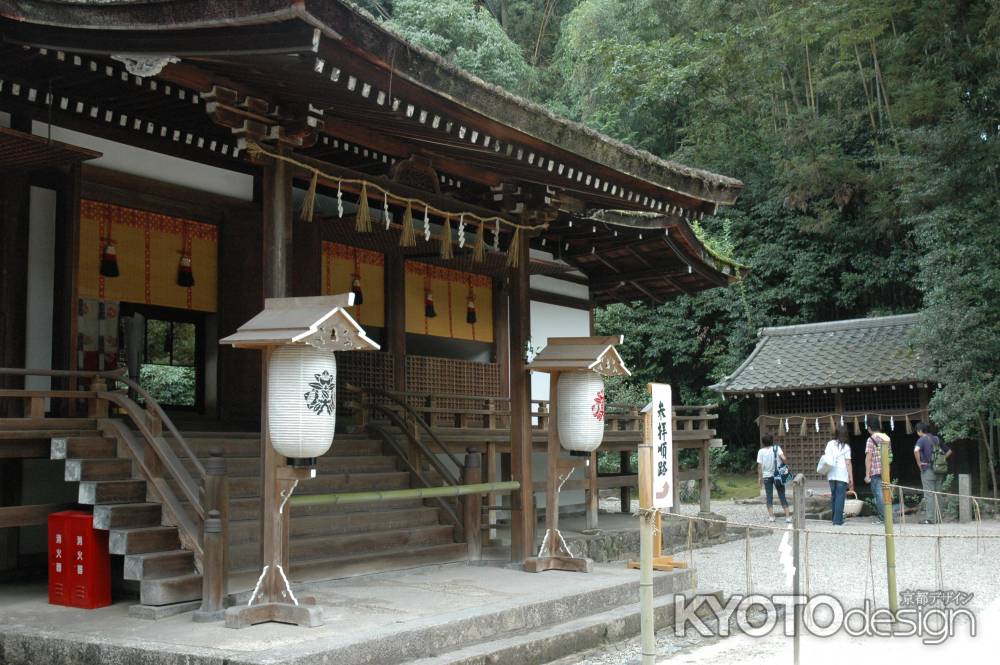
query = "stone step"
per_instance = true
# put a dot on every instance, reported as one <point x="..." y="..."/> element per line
<point x="80" y="447"/>
<point x="242" y="488"/>
<point x="375" y="562"/>
<point x="127" y="515"/>
<point x="250" y="466"/>
<point x="143" y="539"/>
<point x="323" y="525"/>
<point x="247" y="556"/>
<point x="157" y="565"/>
<point x="98" y="469"/>
<point x="169" y="590"/>
<point x="558" y="641"/>
<point x="93" y="492"/>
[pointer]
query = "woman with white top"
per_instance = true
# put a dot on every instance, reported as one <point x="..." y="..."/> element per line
<point x="769" y="457"/>
<point x="840" y="475"/>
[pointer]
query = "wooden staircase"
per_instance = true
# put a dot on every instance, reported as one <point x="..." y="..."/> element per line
<point x="152" y="551"/>
<point x="333" y="541"/>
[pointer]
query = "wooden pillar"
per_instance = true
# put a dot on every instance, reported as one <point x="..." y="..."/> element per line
<point x="522" y="501"/>
<point x="625" y="492"/>
<point x="276" y="478"/>
<point x="67" y="261"/>
<point x="307" y="258"/>
<point x="276" y="223"/>
<point x="395" y="318"/>
<point x="593" y="494"/>
<point x="14" y="223"/>
<point x="277" y="230"/>
<point x="501" y="334"/>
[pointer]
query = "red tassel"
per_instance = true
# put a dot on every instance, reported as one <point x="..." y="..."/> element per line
<point x="429" y="310"/>
<point x="470" y="310"/>
<point x="185" y="277"/>
<point x="109" y="261"/>
<point x="359" y="297"/>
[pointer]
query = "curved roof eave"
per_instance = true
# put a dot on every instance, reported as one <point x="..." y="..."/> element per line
<point x="342" y="21"/>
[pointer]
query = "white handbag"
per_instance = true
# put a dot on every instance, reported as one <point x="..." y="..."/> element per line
<point x="824" y="467"/>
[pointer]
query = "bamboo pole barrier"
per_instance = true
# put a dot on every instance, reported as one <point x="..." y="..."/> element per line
<point x="398" y="495"/>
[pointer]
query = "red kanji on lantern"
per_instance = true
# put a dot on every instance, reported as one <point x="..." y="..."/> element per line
<point x="597" y="408"/>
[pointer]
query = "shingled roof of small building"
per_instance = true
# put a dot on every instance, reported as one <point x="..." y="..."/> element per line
<point x="855" y="352"/>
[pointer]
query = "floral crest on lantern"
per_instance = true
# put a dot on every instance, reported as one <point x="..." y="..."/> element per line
<point x="320" y="396"/>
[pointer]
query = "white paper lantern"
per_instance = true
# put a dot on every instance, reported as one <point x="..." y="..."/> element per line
<point x="301" y="400"/>
<point x="581" y="410"/>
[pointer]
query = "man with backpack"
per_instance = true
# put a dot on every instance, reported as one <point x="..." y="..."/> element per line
<point x="932" y="459"/>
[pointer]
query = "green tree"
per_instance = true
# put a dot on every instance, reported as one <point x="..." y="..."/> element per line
<point x="467" y="35"/>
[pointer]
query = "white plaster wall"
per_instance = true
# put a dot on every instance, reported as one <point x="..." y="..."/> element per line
<point x="149" y="164"/>
<point x="553" y="321"/>
<point x="41" y="285"/>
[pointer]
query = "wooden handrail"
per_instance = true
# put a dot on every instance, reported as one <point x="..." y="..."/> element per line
<point x="410" y="411"/>
<point x="389" y="439"/>
<point x="149" y="421"/>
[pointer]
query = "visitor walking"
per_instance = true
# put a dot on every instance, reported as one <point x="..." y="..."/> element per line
<point x="874" y="473"/>
<point x="932" y="456"/>
<point x="840" y="475"/>
<point x="769" y="457"/>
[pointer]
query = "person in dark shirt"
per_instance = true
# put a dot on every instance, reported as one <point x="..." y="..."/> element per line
<point x="930" y="481"/>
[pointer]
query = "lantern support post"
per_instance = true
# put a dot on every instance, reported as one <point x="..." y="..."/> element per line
<point x="320" y="322"/>
<point x="555" y="554"/>
<point x="575" y="357"/>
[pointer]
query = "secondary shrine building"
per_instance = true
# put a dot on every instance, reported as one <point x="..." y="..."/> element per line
<point x="165" y="166"/>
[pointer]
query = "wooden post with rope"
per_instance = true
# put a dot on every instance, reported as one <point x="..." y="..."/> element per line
<point x="890" y="543"/>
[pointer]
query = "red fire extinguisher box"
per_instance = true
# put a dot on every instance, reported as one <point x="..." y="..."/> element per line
<point x="79" y="564"/>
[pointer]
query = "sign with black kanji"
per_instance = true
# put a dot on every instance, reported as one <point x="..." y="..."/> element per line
<point x="661" y="421"/>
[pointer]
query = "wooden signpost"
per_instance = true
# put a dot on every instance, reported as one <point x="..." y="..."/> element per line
<point x="656" y="478"/>
<point x="656" y="473"/>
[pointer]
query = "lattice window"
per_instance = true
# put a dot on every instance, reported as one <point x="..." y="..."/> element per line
<point x="801" y="451"/>
<point x="455" y="384"/>
<point x="800" y="402"/>
<point x="884" y="399"/>
<point x="366" y="370"/>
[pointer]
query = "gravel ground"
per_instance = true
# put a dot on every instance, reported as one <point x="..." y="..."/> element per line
<point x="849" y="563"/>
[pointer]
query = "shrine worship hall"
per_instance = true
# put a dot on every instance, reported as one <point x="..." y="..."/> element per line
<point x="189" y="188"/>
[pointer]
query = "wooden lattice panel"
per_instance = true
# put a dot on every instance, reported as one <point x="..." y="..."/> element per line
<point x="884" y="400"/>
<point x="800" y="402"/>
<point x="449" y="380"/>
<point x="801" y="451"/>
<point x="368" y="371"/>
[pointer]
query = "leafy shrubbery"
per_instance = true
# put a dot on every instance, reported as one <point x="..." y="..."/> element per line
<point x="170" y="386"/>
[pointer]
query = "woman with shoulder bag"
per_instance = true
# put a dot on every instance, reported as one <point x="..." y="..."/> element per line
<point x="769" y="458"/>
<point x="840" y="474"/>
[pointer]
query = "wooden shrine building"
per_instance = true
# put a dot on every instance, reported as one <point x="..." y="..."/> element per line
<point x="808" y="379"/>
<point x="167" y="165"/>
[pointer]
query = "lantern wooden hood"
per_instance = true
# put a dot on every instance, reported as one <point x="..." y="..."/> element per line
<point x="597" y="354"/>
<point x="319" y="321"/>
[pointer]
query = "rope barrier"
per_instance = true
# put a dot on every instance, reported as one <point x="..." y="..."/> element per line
<point x="957" y="496"/>
<point x="839" y="532"/>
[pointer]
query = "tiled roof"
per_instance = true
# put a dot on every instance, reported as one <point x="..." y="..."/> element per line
<point x="857" y="352"/>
